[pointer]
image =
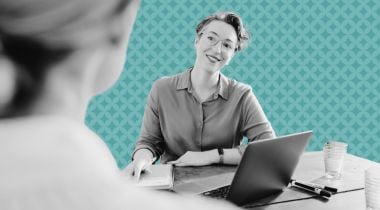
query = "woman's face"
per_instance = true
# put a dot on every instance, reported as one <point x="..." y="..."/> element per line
<point x="215" y="45"/>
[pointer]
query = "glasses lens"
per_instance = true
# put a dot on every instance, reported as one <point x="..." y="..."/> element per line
<point x="213" y="39"/>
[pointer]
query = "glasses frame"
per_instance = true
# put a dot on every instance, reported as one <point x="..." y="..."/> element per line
<point x="213" y="39"/>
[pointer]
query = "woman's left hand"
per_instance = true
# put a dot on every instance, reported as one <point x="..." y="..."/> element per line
<point x="197" y="158"/>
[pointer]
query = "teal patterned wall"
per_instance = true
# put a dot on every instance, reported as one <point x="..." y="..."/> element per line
<point x="313" y="64"/>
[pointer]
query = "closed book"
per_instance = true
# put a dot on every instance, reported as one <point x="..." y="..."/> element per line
<point x="160" y="176"/>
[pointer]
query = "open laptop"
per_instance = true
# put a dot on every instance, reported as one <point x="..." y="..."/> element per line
<point x="265" y="169"/>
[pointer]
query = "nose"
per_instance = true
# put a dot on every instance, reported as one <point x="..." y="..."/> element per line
<point x="217" y="46"/>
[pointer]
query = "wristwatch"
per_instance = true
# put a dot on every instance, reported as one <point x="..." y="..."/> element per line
<point x="221" y="155"/>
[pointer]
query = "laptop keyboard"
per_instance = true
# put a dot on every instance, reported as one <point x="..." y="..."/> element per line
<point x="219" y="193"/>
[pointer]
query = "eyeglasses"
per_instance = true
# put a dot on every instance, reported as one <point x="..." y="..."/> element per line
<point x="213" y="39"/>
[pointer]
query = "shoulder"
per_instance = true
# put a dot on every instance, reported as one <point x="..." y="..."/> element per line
<point x="59" y="142"/>
<point x="169" y="82"/>
<point x="89" y="148"/>
<point x="239" y="88"/>
<point x="163" y="82"/>
<point x="55" y="156"/>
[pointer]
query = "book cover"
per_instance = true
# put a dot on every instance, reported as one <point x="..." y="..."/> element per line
<point x="159" y="176"/>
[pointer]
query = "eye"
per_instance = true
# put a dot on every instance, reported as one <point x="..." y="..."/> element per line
<point x="228" y="46"/>
<point x="210" y="38"/>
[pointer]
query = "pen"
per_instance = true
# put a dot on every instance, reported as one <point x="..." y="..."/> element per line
<point x="330" y="189"/>
<point x="315" y="190"/>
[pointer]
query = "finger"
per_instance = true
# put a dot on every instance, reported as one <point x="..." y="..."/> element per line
<point x="182" y="164"/>
<point x="146" y="166"/>
<point x="179" y="160"/>
<point x="175" y="163"/>
<point x="140" y="167"/>
<point x="137" y="173"/>
<point x="147" y="169"/>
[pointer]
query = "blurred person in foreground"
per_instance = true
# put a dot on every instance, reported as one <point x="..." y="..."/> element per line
<point x="54" y="56"/>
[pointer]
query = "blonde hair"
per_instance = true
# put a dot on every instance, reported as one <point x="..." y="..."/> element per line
<point x="35" y="34"/>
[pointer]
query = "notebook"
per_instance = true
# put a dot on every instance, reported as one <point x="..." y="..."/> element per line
<point x="265" y="169"/>
<point x="160" y="177"/>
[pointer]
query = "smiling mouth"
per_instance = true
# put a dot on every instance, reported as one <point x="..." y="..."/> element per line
<point x="213" y="59"/>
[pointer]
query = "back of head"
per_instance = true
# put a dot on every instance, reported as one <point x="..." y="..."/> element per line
<point x="59" y="24"/>
<point x="35" y="34"/>
<point x="53" y="162"/>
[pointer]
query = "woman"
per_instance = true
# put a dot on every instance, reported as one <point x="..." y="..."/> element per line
<point x="199" y="117"/>
<point x="54" y="56"/>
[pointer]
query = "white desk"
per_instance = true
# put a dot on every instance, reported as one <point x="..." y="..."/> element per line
<point x="310" y="168"/>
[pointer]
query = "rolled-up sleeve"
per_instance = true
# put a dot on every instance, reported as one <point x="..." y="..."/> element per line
<point x="255" y="123"/>
<point x="151" y="137"/>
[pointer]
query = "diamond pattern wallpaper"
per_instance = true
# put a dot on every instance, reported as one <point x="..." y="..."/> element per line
<point x="313" y="65"/>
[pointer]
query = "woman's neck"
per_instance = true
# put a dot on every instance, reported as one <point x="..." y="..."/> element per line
<point x="61" y="100"/>
<point x="64" y="93"/>
<point x="204" y="79"/>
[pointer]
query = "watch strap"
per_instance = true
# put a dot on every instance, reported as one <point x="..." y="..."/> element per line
<point x="221" y="155"/>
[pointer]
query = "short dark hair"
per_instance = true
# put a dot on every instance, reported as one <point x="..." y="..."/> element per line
<point x="232" y="19"/>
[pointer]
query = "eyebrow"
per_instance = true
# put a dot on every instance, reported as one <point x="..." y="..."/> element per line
<point x="219" y="36"/>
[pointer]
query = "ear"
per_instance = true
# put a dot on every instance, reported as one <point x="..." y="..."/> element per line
<point x="8" y="82"/>
<point x="196" y="39"/>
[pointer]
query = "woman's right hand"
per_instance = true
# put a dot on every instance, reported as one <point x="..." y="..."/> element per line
<point x="142" y="160"/>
